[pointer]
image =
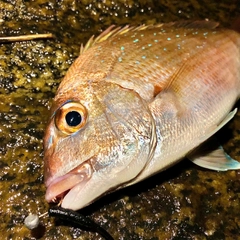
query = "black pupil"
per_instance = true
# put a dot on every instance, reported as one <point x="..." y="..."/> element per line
<point x="73" y="118"/>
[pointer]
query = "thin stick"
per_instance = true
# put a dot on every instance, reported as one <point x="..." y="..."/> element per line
<point x="25" y="37"/>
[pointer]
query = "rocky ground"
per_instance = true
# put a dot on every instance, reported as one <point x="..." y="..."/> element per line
<point x="184" y="202"/>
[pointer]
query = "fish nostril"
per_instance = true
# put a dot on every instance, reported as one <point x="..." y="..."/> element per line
<point x="49" y="142"/>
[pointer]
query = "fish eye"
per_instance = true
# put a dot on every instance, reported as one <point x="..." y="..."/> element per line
<point x="70" y="117"/>
<point x="73" y="118"/>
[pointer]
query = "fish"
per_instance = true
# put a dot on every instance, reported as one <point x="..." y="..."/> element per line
<point x="136" y="101"/>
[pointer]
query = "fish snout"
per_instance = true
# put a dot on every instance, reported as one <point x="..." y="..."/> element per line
<point x="59" y="187"/>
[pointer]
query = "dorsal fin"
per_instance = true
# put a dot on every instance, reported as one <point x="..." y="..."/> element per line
<point x="113" y="30"/>
<point x="109" y="32"/>
<point x="196" y="24"/>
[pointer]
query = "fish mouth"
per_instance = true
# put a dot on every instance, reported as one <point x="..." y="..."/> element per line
<point x="61" y="189"/>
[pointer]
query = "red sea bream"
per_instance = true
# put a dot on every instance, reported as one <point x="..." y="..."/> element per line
<point x="136" y="101"/>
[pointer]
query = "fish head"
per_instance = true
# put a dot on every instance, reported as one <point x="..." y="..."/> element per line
<point x="97" y="140"/>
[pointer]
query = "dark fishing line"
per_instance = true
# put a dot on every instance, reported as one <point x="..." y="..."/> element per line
<point x="79" y="219"/>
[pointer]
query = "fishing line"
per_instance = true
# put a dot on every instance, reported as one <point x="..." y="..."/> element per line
<point x="32" y="221"/>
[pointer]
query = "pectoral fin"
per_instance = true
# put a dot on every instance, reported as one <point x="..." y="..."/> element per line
<point x="212" y="131"/>
<point x="212" y="156"/>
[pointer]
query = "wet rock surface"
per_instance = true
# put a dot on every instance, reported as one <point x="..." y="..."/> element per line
<point x="184" y="202"/>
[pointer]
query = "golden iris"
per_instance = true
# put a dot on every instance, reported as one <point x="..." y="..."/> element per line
<point x="70" y="117"/>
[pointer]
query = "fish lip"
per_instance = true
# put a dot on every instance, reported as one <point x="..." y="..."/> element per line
<point x="57" y="188"/>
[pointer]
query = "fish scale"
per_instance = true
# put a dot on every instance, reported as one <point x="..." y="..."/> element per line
<point x="141" y="71"/>
<point x="148" y="97"/>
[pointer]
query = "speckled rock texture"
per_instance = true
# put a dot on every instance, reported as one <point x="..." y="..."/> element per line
<point x="184" y="202"/>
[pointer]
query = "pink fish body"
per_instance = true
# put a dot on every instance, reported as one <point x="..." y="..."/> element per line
<point x="136" y="101"/>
